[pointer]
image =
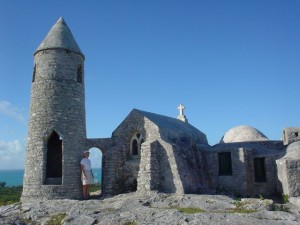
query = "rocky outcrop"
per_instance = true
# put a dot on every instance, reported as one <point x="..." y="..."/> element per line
<point x="153" y="208"/>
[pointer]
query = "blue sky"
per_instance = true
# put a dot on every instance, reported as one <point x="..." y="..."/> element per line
<point x="229" y="62"/>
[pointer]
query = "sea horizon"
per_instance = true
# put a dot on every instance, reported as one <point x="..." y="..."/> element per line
<point x="14" y="177"/>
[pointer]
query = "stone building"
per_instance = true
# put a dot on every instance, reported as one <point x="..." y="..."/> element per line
<point x="146" y="152"/>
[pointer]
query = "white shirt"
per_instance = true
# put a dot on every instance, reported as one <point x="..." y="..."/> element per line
<point x="86" y="163"/>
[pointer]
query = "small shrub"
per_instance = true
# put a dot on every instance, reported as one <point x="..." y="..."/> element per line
<point x="56" y="220"/>
<point x="285" y="198"/>
<point x="95" y="187"/>
<point x="10" y="195"/>
<point x="261" y="197"/>
<point x="2" y="184"/>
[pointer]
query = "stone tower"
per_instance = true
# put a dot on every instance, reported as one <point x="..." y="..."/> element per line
<point x="57" y="126"/>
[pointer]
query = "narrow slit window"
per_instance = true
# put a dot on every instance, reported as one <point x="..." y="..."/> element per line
<point x="225" y="165"/>
<point x="79" y="74"/>
<point x="141" y="142"/>
<point x="259" y="170"/>
<point x="34" y="71"/>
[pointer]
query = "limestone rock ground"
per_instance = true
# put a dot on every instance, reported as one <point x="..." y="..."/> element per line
<point x="153" y="208"/>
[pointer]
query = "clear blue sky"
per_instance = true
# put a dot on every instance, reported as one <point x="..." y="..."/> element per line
<point x="229" y="62"/>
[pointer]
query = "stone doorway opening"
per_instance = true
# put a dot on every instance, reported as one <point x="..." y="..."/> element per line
<point x="54" y="159"/>
<point x="96" y="161"/>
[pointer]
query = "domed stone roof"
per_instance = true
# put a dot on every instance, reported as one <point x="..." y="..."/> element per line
<point x="243" y="134"/>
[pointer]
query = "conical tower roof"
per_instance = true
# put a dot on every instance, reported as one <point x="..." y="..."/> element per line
<point x="59" y="37"/>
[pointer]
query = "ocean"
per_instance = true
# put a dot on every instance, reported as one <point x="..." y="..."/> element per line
<point x="14" y="177"/>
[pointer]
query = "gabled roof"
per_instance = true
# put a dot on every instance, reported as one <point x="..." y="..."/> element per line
<point x="59" y="37"/>
<point x="174" y="125"/>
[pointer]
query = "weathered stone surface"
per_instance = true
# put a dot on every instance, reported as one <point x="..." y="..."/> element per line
<point x="289" y="170"/>
<point x="57" y="105"/>
<point x="295" y="201"/>
<point x="290" y="135"/>
<point x="147" y="151"/>
<point x="152" y="208"/>
<point x="243" y="134"/>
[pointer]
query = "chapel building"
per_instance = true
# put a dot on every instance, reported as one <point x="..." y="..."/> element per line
<point x="147" y="151"/>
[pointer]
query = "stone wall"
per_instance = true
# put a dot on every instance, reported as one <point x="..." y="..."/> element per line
<point x="120" y="168"/>
<point x="289" y="176"/>
<point x="242" y="181"/>
<point x="57" y="104"/>
<point x="290" y="135"/>
<point x="289" y="170"/>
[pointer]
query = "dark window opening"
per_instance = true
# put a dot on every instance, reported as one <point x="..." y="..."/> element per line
<point x="225" y="165"/>
<point x="259" y="170"/>
<point x="134" y="147"/>
<point x="138" y="135"/>
<point x="34" y="71"/>
<point x="296" y="134"/>
<point x="134" y="185"/>
<point x="54" y="157"/>
<point x="79" y="74"/>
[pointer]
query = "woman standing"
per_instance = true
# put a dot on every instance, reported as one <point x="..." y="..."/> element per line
<point x="87" y="177"/>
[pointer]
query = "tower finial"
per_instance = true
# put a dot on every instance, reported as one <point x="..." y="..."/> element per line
<point x="181" y="115"/>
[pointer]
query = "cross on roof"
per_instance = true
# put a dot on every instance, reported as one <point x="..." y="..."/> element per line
<point x="181" y="108"/>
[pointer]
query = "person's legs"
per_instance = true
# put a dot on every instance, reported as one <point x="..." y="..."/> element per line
<point x="88" y="190"/>
<point x="85" y="191"/>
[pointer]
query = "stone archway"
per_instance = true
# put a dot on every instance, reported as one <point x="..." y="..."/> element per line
<point x="96" y="161"/>
<point x="102" y="145"/>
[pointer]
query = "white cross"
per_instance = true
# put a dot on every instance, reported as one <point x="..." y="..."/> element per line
<point x="181" y="108"/>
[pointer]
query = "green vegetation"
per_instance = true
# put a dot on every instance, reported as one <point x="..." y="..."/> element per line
<point x="27" y="221"/>
<point x="130" y="223"/>
<point x="110" y="209"/>
<point x="261" y="197"/>
<point x="280" y="207"/>
<point x="10" y="195"/>
<point x="188" y="210"/>
<point x="240" y="208"/>
<point x="56" y="220"/>
<point x="95" y="187"/>
<point x="285" y="198"/>
<point x="2" y="184"/>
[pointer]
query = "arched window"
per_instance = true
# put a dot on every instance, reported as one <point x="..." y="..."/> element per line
<point x="136" y="142"/>
<point x="135" y="149"/>
<point x="54" y="157"/>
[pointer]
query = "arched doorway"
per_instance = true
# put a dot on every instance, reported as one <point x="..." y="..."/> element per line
<point x="54" y="159"/>
<point x="96" y="161"/>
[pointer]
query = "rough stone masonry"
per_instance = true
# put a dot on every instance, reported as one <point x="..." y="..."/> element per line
<point x="147" y="152"/>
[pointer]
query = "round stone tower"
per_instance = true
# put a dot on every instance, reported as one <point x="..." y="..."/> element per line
<point x="57" y="126"/>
